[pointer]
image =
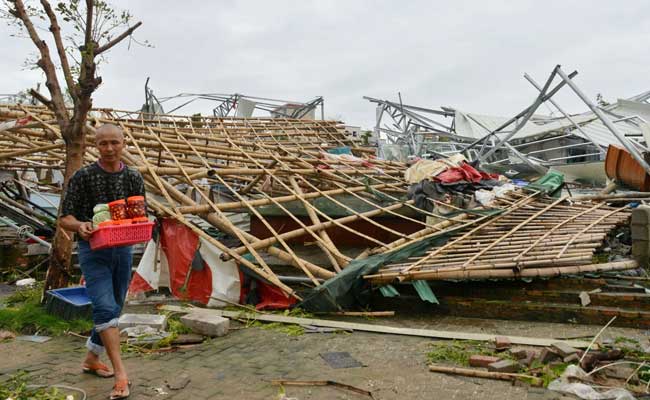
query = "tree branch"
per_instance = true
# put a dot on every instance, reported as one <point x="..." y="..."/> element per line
<point x="89" y="21"/>
<point x="46" y="64"/>
<point x="47" y="102"/>
<point x="65" y="65"/>
<point x="118" y="39"/>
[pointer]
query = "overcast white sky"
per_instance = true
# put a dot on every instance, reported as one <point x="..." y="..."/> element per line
<point x="466" y="54"/>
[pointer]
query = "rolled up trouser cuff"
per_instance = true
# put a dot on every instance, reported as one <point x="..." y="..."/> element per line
<point x="110" y="324"/>
<point x="94" y="347"/>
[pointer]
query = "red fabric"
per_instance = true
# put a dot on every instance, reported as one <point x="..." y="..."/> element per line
<point x="23" y="121"/>
<point x="138" y="284"/>
<point x="465" y="173"/>
<point x="179" y="244"/>
<point x="272" y="298"/>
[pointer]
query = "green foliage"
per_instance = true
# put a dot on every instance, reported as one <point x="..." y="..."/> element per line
<point x="644" y="373"/>
<point x="459" y="351"/>
<point x="24" y="313"/>
<point x="623" y="339"/>
<point x="108" y="22"/>
<point x="174" y="327"/>
<point x="288" y="329"/>
<point x="552" y="372"/>
<point x="17" y="388"/>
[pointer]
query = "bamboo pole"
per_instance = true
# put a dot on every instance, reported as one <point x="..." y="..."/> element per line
<point x="505" y="273"/>
<point x="589" y="227"/>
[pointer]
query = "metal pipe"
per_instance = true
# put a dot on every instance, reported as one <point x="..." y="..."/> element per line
<point x="556" y="148"/>
<point x="18" y="228"/>
<point x="570" y="157"/>
<point x="621" y="138"/>
<point x="541" y="97"/>
<point x="567" y="116"/>
<point x="542" y="140"/>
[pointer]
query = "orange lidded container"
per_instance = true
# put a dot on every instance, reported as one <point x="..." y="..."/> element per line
<point x="117" y="209"/>
<point x="135" y="207"/>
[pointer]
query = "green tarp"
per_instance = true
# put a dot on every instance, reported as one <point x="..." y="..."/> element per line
<point x="348" y="288"/>
<point x="551" y="183"/>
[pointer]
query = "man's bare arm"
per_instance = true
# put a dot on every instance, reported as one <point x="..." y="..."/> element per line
<point x="70" y="223"/>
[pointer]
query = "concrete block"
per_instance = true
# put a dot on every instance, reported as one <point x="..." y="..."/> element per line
<point x="563" y="349"/>
<point x="504" y="366"/>
<point x="206" y="324"/>
<point x="640" y="232"/>
<point x="641" y="250"/>
<point x="478" y="360"/>
<point x="641" y="215"/>
<point x="155" y="321"/>
<point x="502" y="343"/>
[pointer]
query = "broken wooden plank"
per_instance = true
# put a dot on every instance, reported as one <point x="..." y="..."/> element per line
<point x="521" y="340"/>
<point x="477" y="373"/>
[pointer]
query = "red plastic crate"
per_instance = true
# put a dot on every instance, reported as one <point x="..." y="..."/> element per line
<point x="120" y="235"/>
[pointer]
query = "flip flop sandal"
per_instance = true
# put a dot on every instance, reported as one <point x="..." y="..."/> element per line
<point x="98" y="369"/>
<point x="122" y="386"/>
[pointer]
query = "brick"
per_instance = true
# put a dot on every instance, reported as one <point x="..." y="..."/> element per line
<point x="563" y="349"/>
<point x="153" y="320"/>
<point x="548" y="355"/>
<point x="206" y="324"/>
<point x="530" y="357"/>
<point x="572" y="359"/>
<point x="502" y="343"/>
<point x="478" y="360"/>
<point x="519" y="352"/>
<point x="504" y="366"/>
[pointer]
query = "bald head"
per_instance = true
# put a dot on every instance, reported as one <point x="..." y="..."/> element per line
<point x="109" y="129"/>
<point x="109" y="140"/>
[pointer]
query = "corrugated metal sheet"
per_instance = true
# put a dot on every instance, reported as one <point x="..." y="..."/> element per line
<point x="475" y="126"/>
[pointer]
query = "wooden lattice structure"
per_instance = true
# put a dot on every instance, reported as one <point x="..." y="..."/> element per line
<point x="533" y="237"/>
<point x="211" y="167"/>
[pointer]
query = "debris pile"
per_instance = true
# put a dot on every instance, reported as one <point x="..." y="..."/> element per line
<point x="279" y="212"/>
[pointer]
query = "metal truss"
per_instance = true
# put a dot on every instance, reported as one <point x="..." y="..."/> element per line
<point x="228" y="103"/>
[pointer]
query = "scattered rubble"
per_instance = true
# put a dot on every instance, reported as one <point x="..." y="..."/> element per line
<point x="206" y="324"/>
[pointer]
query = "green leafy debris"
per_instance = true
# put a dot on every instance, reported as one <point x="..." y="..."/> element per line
<point x="23" y="313"/>
<point x="18" y="388"/>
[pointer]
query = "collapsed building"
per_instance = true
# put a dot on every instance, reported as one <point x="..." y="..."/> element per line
<point x="289" y="211"/>
<point x="528" y="144"/>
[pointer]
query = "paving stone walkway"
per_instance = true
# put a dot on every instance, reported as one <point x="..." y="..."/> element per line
<point x="241" y="364"/>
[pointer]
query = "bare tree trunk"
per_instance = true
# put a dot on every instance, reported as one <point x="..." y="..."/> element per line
<point x="59" y="269"/>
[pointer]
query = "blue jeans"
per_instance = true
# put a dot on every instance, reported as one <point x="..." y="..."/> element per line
<point x="107" y="273"/>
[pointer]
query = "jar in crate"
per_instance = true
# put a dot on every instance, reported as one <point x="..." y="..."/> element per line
<point x="135" y="207"/>
<point x="117" y="209"/>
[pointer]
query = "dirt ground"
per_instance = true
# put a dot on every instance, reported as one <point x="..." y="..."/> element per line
<point x="242" y="364"/>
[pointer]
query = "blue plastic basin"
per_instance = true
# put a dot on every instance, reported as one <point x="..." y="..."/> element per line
<point x="74" y="295"/>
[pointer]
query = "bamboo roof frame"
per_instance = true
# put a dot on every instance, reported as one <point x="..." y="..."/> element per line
<point x="279" y="161"/>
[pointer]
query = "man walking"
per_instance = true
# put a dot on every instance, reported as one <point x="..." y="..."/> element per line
<point x="107" y="272"/>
